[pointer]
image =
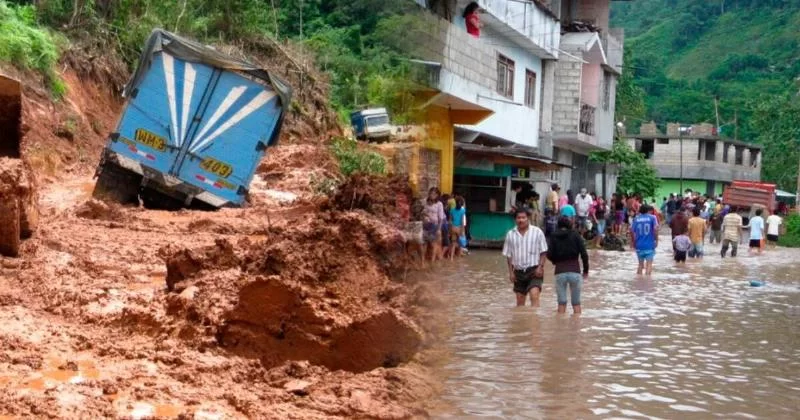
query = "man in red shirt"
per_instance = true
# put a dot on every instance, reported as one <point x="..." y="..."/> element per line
<point x="473" y="21"/>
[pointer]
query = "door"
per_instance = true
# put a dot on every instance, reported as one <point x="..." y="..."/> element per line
<point x="229" y="136"/>
<point x="155" y="123"/>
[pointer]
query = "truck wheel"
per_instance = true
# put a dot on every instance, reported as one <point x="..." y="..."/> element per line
<point x="117" y="184"/>
<point x="9" y="228"/>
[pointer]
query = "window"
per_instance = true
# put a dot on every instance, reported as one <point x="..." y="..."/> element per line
<point x="530" y="89"/>
<point x="606" y="90"/>
<point x="754" y="157"/>
<point x="647" y="148"/>
<point x="663" y="141"/>
<point x="505" y="76"/>
<point x="739" y="158"/>
<point x="711" y="151"/>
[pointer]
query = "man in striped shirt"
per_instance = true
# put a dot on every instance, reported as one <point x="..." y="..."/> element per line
<point x="525" y="248"/>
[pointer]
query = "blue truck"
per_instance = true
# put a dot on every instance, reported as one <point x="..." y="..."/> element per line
<point x="194" y="127"/>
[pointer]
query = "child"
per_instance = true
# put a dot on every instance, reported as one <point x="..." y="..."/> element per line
<point x="682" y="244"/>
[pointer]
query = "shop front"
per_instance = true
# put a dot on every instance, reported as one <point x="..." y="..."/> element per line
<point x="485" y="177"/>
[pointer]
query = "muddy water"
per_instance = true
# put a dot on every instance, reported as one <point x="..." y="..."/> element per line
<point x="693" y="342"/>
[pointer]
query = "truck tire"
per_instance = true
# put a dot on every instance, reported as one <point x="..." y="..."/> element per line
<point x="117" y="184"/>
<point x="9" y="228"/>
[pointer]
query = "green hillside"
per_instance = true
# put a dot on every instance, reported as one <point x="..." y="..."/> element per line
<point x="684" y="53"/>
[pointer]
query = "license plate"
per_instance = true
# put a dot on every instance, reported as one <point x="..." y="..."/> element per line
<point x="149" y="139"/>
<point x="216" y="167"/>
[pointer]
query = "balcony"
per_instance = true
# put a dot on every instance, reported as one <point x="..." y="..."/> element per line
<point x="526" y="23"/>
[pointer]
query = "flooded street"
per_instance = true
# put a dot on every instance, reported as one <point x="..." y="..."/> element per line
<point x="690" y="342"/>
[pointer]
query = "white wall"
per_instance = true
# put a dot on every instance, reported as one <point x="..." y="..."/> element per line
<point x="511" y="121"/>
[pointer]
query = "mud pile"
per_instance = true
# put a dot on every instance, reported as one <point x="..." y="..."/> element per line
<point x="384" y="197"/>
<point x="19" y="213"/>
<point x="317" y="291"/>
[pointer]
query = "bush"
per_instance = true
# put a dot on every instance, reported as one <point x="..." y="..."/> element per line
<point x="352" y="160"/>
<point x="28" y="46"/>
<point x="791" y="238"/>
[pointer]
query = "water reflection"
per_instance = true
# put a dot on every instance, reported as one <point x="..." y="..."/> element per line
<point x="690" y="342"/>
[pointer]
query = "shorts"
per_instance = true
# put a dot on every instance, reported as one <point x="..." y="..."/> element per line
<point x="601" y="227"/>
<point x="755" y="243"/>
<point x="574" y="281"/>
<point x="525" y="280"/>
<point x="455" y="233"/>
<point x="430" y="232"/>
<point x="646" y="254"/>
<point x="696" y="251"/>
<point x="620" y="217"/>
<point x="772" y="238"/>
<point x="580" y="221"/>
<point x="680" y="256"/>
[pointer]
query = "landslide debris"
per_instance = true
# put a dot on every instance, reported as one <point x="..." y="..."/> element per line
<point x="318" y="291"/>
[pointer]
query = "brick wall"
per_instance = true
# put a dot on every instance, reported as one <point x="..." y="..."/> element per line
<point x="567" y="102"/>
<point x="434" y="39"/>
<point x="667" y="161"/>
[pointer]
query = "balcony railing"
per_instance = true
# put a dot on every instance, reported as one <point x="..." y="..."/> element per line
<point x="586" y="125"/>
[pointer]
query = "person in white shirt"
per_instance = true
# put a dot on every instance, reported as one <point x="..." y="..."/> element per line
<point x="511" y="201"/>
<point x="583" y="203"/>
<point x="774" y="223"/>
<point x="756" y="231"/>
<point x="525" y="248"/>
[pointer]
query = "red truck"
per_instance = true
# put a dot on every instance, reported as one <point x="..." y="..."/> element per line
<point x="749" y="196"/>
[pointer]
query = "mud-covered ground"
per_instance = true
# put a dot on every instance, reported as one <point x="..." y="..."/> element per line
<point x="279" y="310"/>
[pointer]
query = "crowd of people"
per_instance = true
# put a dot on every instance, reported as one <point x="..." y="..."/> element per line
<point x="441" y="232"/>
<point x="570" y="221"/>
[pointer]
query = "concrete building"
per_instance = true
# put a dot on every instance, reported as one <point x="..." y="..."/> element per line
<point x="583" y="102"/>
<point x="695" y="157"/>
<point x="488" y="89"/>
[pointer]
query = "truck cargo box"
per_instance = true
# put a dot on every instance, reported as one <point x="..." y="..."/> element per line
<point x="195" y="124"/>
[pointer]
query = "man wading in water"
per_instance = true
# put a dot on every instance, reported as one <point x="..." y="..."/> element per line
<point x="525" y="248"/>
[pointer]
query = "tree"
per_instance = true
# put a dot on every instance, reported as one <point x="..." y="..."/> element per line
<point x="630" y="96"/>
<point x="636" y="174"/>
<point x="777" y="120"/>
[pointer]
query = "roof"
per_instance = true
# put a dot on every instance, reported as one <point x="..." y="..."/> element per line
<point x="517" y="151"/>
<point x="195" y="52"/>
<point x="692" y="137"/>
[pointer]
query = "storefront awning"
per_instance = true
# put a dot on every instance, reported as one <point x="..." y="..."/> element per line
<point x="517" y="155"/>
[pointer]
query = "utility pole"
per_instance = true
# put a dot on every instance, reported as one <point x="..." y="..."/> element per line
<point x="716" y="111"/>
<point x="736" y="124"/>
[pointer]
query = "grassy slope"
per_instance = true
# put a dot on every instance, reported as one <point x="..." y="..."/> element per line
<point x="770" y="32"/>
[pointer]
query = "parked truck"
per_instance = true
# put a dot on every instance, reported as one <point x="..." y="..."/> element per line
<point x="195" y="124"/>
<point x="371" y="124"/>
<point x="749" y="196"/>
<point x="18" y="210"/>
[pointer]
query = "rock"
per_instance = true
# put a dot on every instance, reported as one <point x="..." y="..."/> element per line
<point x="188" y="293"/>
<point x="297" y="387"/>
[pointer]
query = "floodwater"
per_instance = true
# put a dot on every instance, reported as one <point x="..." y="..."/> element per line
<point x="689" y="342"/>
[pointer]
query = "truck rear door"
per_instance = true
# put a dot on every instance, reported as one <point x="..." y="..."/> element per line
<point x="230" y="136"/>
<point x="156" y="120"/>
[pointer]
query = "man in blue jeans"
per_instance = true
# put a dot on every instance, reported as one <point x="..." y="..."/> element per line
<point x="644" y="236"/>
<point x="563" y="249"/>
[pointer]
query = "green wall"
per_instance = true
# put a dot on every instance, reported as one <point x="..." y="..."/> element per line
<point x="490" y="226"/>
<point x="674" y="186"/>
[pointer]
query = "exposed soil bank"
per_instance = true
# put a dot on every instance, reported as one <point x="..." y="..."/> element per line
<point x="294" y="307"/>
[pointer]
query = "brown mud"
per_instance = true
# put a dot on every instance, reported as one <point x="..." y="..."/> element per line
<point x="293" y="307"/>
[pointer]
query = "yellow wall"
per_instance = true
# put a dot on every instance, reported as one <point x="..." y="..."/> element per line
<point x="439" y="136"/>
